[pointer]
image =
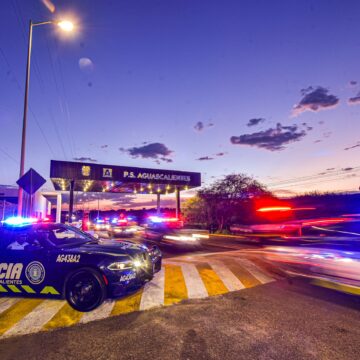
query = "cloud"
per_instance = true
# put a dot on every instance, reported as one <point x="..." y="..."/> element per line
<point x="354" y="100"/>
<point x="308" y="127"/>
<point x="199" y="126"/>
<point x="84" y="159"/>
<point x="166" y="160"/>
<point x="156" y="151"/>
<point x="315" y="99"/>
<point x="353" y="147"/>
<point x="220" y="154"/>
<point x="205" y="158"/>
<point x="347" y="169"/>
<point x="104" y="146"/>
<point x="255" y="121"/>
<point x="272" y="139"/>
<point x="352" y="82"/>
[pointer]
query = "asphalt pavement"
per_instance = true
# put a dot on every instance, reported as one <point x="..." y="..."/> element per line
<point x="280" y="320"/>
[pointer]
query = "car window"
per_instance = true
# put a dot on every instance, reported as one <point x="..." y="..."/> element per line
<point x="61" y="235"/>
<point x="19" y="241"/>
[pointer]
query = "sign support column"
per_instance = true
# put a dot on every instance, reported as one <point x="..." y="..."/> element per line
<point x="158" y="203"/>
<point x="71" y="200"/>
<point x="58" y="207"/>
<point x="178" y="210"/>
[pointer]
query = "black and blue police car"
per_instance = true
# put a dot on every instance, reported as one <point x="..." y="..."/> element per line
<point x="59" y="261"/>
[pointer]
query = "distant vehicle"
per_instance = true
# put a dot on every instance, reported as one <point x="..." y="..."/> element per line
<point x="328" y="252"/>
<point x="100" y="225"/>
<point x="123" y="227"/>
<point x="294" y="232"/>
<point x="170" y="231"/>
<point x="59" y="261"/>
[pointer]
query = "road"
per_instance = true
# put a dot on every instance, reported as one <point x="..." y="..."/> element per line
<point x="224" y="304"/>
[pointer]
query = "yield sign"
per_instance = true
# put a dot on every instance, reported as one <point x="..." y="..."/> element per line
<point x="31" y="181"/>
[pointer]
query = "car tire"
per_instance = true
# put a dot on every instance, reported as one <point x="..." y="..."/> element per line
<point x="85" y="290"/>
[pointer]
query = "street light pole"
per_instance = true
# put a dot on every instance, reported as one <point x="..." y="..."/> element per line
<point x="66" y="26"/>
<point x="24" y="125"/>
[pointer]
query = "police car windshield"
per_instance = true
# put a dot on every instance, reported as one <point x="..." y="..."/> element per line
<point x="63" y="235"/>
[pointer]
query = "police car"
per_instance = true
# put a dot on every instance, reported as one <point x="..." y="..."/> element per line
<point x="59" y="261"/>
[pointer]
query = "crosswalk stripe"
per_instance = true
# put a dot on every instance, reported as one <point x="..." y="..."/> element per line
<point x="175" y="287"/>
<point x="211" y="280"/>
<point x="255" y="271"/>
<point x="241" y="273"/>
<point x="195" y="287"/>
<point x="227" y="277"/>
<point x="181" y="278"/>
<point x="103" y="311"/>
<point x="6" y="303"/>
<point x="66" y="316"/>
<point x="153" y="294"/>
<point x="16" y="312"/>
<point x="35" y="320"/>
<point x="128" y="304"/>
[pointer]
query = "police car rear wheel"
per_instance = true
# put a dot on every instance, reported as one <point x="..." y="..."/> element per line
<point x="85" y="290"/>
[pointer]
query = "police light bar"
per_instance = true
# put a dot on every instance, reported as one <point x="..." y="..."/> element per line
<point x="158" y="219"/>
<point x="274" y="208"/>
<point x="19" y="221"/>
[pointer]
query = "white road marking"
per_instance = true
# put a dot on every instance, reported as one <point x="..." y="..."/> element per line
<point x="153" y="294"/>
<point x="255" y="271"/>
<point x="195" y="287"/>
<point x="36" y="319"/>
<point x="6" y="303"/>
<point x="226" y="276"/>
<point x="103" y="311"/>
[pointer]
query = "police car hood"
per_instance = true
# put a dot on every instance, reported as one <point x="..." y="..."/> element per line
<point x="108" y="247"/>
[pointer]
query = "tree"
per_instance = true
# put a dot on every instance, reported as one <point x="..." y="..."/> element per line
<point x="228" y="200"/>
<point x="195" y="211"/>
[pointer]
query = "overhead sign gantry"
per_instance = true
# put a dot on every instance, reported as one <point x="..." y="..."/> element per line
<point x="86" y="177"/>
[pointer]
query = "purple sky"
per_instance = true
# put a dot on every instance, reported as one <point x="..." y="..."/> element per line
<point x="269" y="88"/>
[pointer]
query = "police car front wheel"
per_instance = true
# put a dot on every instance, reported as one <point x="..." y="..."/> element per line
<point x="85" y="290"/>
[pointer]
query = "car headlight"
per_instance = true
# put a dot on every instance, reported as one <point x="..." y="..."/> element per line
<point x="200" y="236"/>
<point x="119" y="265"/>
<point x="137" y="263"/>
<point x="179" y="238"/>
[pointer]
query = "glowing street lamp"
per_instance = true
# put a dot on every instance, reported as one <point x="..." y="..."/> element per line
<point x="66" y="26"/>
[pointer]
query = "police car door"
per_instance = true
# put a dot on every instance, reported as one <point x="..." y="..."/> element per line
<point x="24" y="272"/>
